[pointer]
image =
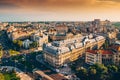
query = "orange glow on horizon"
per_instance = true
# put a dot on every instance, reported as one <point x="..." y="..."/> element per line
<point x="108" y="9"/>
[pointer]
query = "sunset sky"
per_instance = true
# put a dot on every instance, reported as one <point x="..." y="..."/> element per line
<point x="59" y="10"/>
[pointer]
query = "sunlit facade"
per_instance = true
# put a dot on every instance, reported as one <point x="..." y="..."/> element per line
<point x="59" y="53"/>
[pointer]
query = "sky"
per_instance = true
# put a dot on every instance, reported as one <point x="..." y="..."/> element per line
<point x="59" y="10"/>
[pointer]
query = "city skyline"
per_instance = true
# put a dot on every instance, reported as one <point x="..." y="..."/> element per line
<point x="59" y="10"/>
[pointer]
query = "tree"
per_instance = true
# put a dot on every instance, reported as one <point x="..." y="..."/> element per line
<point x="1" y="76"/>
<point x="93" y="71"/>
<point x="13" y="52"/>
<point x="15" y="78"/>
<point x="34" y="45"/>
<point x="112" y="69"/>
<point x="100" y="71"/>
<point x="100" y="68"/>
<point x="92" y="74"/>
<point x="20" y="43"/>
<point x="0" y="47"/>
<point x="15" y="41"/>
<point x="1" y="52"/>
<point x="82" y="74"/>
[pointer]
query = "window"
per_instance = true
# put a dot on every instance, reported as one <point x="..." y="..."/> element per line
<point x="104" y="56"/>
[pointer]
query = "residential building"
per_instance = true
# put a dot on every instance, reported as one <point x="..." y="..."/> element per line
<point x="110" y="56"/>
<point x="98" y="56"/>
<point x="26" y="43"/>
<point x="40" y="37"/>
<point x="93" y="57"/>
<point x="61" y="29"/>
<point x="20" y="34"/>
<point x="59" y="53"/>
<point x="63" y="37"/>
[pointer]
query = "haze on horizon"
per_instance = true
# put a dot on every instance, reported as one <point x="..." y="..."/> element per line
<point x="59" y="10"/>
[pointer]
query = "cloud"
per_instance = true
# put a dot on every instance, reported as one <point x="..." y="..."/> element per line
<point x="59" y="3"/>
<point x="111" y="0"/>
<point x="109" y="3"/>
<point x="56" y="3"/>
<point x="8" y="6"/>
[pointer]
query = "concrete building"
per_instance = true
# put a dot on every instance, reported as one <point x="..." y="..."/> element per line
<point x="93" y="57"/>
<point x="98" y="56"/>
<point x="11" y="29"/>
<point x="59" y="53"/>
<point x="112" y="35"/>
<point x="41" y="38"/>
<point x="110" y="56"/>
<point x="26" y="43"/>
<point x="61" y="29"/>
<point x="58" y="33"/>
<point x="19" y="34"/>
<point x="63" y="37"/>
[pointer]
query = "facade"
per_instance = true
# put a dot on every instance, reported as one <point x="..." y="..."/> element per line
<point x="58" y="33"/>
<point x="59" y="53"/>
<point x="63" y="37"/>
<point x="52" y="31"/>
<point x="110" y="56"/>
<point x="11" y="29"/>
<point x="26" y="43"/>
<point x="40" y="38"/>
<point x="61" y="29"/>
<point x="92" y="57"/>
<point x="19" y="34"/>
<point x="98" y="56"/>
<point x="116" y="56"/>
<point x="112" y="35"/>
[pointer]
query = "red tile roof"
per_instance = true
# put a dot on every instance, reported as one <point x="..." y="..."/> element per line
<point x="106" y="52"/>
<point x="92" y="51"/>
<point x="100" y="51"/>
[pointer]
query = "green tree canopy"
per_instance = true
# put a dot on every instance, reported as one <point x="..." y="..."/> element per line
<point x="34" y="45"/>
<point x="13" y="52"/>
<point x="112" y="68"/>
<point x="93" y="71"/>
<point x="18" y="43"/>
<point x="98" y="72"/>
<point x="82" y="73"/>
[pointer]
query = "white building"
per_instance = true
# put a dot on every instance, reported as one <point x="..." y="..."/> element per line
<point x="59" y="53"/>
<point x="40" y="38"/>
<point x="93" y="57"/>
<point x="26" y="43"/>
<point x="110" y="56"/>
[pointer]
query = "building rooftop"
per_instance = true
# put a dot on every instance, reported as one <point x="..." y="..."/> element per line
<point x="115" y="47"/>
<point x="100" y="51"/>
<point x="58" y="47"/>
